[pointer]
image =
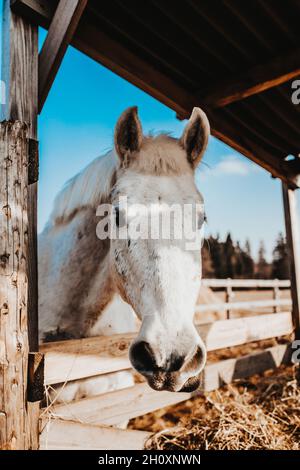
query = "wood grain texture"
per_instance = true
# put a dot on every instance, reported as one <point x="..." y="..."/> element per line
<point x="19" y="71"/>
<point x="69" y="435"/>
<point x="61" y="30"/>
<point x="75" y="359"/>
<point x="293" y="245"/>
<point x="115" y="407"/>
<point x="13" y="285"/>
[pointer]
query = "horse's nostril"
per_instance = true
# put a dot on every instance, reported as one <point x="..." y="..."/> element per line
<point x="175" y="363"/>
<point x="142" y="357"/>
<point x="197" y="362"/>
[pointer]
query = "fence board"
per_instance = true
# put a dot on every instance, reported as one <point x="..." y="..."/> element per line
<point x="74" y="359"/>
<point x="114" y="407"/>
<point x="246" y="283"/>
<point x="221" y="306"/>
<point x="69" y="435"/>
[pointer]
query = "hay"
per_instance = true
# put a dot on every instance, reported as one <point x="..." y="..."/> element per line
<point x="260" y="413"/>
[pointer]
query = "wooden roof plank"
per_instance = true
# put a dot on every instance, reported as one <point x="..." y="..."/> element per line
<point x="256" y="80"/>
<point x="61" y="30"/>
<point x="110" y="52"/>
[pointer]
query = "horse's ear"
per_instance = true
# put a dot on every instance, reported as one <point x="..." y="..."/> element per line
<point x="128" y="133"/>
<point x="195" y="136"/>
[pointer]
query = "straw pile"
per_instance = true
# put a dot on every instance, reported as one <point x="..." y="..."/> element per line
<point x="260" y="413"/>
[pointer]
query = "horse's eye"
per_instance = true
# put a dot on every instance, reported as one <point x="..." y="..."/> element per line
<point x="201" y="220"/>
<point x="120" y="217"/>
<point x="117" y="216"/>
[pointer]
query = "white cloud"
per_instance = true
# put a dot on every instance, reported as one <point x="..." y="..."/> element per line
<point x="229" y="165"/>
<point x="232" y="166"/>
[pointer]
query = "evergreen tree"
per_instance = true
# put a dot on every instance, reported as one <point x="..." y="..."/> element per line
<point x="247" y="262"/>
<point x="239" y="261"/>
<point x="217" y="257"/>
<point x="229" y="255"/>
<point x="280" y="264"/>
<point x="247" y="248"/>
<point x="207" y="264"/>
<point x="262" y="267"/>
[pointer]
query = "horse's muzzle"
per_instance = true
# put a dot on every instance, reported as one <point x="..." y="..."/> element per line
<point x="177" y="375"/>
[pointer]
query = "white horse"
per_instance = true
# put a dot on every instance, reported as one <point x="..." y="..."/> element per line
<point x="89" y="286"/>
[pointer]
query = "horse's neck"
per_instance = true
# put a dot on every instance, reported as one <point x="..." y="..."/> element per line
<point x="75" y="284"/>
<point x="116" y="318"/>
<point x="77" y="295"/>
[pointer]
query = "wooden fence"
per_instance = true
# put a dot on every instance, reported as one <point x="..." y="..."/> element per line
<point x="231" y="284"/>
<point x="90" y="422"/>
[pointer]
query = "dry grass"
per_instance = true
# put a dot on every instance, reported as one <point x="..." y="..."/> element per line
<point x="260" y="413"/>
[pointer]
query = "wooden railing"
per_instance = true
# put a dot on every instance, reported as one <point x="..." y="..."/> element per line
<point x="247" y="283"/>
<point x="230" y="284"/>
<point x="85" y="421"/>
<point x="80" y="358"/>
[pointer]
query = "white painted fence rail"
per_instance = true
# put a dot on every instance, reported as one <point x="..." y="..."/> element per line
<point x="247" y="283"/>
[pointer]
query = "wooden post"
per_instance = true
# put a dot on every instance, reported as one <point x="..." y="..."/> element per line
<point x="276" y="295"/>
<point x="293" y="244"/>
<point x="229" y="296"/>
<point x="18" y="241"/>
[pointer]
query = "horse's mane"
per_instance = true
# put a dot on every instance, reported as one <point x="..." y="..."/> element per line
<point x="86" y="189"/>
<point x="159" y="155"/>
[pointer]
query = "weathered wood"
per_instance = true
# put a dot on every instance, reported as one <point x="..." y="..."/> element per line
<point x="13" y="285"/>
<point x="62" y="28"/>
<point x="115" y="407"/>
<point x="19" y="71"/>
<point x="256" y="80"/>
<point x="293" y="244"/>
<point x="70" y="435"/>
<point x="95" y="43"/>
<point x="36" y="389"/>
<point x="75" y="359"/>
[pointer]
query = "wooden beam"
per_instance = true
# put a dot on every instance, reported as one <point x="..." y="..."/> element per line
<point x="256" y="80"/>
<point x="76" y="359"/>
<point x="115" y="407"/>
<point x="85" y="357"/>
<point x="13" y="285"/>
<point x="293" y="244"/>
<point x="225" y="128"/>
<point x="61" y="31"/>
<point x="19" y="72"/>
<point x="95" y="43"/>
<point x="70" y="435"/>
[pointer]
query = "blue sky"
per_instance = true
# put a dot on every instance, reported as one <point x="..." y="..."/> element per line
<point x="77" y="123"/>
